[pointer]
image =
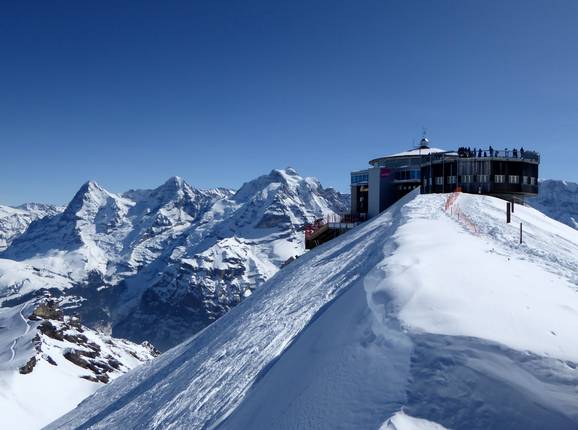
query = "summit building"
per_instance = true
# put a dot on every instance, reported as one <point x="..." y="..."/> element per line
<point x="508" y="174"/>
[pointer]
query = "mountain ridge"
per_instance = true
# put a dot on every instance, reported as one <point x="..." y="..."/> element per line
<point x="125" y="260"/>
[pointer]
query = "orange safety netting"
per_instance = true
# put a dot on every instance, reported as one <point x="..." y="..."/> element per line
<point x="455" y="211"/>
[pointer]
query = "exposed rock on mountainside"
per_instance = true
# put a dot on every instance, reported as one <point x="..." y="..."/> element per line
<point x="50" y="362"/>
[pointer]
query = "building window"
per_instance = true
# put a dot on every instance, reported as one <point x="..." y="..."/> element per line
<point x="425" y="182"/>
<point x="532" y="181"/>
<point x="467" y="179"/>
<point x="483" y="178"/>
<point x="452" y="180"/>
<point x="358" y="179"/>
<point x="439" y="180"/>
<point x="499" y="179"/>
<point x="514" y="179"/>
<point x="525" y="180"/>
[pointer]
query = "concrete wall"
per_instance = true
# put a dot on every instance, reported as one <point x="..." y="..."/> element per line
<point x="374" y="206"/>
<point x="354" y="210"/>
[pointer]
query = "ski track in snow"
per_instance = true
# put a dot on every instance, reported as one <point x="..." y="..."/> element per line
<point x="12" y="350"/>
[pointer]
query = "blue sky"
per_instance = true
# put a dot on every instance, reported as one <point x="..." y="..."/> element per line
<point x="219" y="92"/>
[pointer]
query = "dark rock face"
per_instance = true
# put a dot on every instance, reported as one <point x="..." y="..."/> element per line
<point x="48" y="310"/>
<point x="86" y="353"/>
<point x="29" y="366"/>
<point x="49" y="330"/>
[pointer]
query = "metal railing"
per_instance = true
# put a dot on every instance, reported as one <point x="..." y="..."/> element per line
<point x="514" y="153"/>
<point x="332" y="221"/>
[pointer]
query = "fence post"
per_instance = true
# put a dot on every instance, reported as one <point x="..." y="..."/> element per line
<point x="508" y="213"/>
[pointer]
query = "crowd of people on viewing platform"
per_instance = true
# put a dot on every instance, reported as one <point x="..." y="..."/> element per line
<point x="491" y="152"/>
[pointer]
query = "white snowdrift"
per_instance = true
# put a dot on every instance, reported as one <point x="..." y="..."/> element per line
<point x="451" y="320"/>
<point x="402" y="421"/>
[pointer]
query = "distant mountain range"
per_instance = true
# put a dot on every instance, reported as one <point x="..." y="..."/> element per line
<point x="159" y="265"/>
<point x="558" y="200"/>
<point x="15" y="220"/>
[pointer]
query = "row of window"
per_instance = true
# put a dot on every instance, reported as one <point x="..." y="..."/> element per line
<point x="406" y="187"/>
<point x="468" y="179"/>
<point x="359" y="179"/>
<point x="404" y="175"/>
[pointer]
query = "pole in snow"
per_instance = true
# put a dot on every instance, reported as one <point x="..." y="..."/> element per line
<point x="520" y="233"/>
<point x="512" y="205"/>
<point x="508" y="212"/>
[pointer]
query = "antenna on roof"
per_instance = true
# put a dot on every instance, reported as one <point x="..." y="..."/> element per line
<point x="424" y="143"/>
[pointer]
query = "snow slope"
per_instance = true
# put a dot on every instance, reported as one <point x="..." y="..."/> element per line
<point x="558" y="200"/>
<point x="421" y="318"/>
<point x="49" y="364"/>
<point x="15" y="220"/>
<point x="161" y="264"/>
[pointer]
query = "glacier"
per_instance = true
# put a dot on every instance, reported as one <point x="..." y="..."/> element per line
<point x="432" y="315"/>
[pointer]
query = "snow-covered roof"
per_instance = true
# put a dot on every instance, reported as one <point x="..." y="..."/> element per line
<point x="411" y="153"/>
<point x="416" y="151"/>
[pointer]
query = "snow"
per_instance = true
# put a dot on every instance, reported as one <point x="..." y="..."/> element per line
<point x="559" y="200"/>
<point x="417" y="151"/>
<point x="521" y="314"/>
<point x="445" y="317"/>
<point x="20" y="278"/>
<point x="14" y="221"/>
<point x="402" y="421"/>
<point x="30" y="401"/>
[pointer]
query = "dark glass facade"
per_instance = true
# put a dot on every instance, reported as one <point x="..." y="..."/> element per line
<point x="504" y="177"/>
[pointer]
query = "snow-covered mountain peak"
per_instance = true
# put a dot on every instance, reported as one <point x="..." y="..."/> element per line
<point x="89" y="198"/>
<point x="288" y="194"/>
<point x="175" y="185"/>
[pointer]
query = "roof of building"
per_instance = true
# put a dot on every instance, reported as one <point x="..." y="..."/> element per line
<point x="412" y="153"/>
<point x="416" y="151"/>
